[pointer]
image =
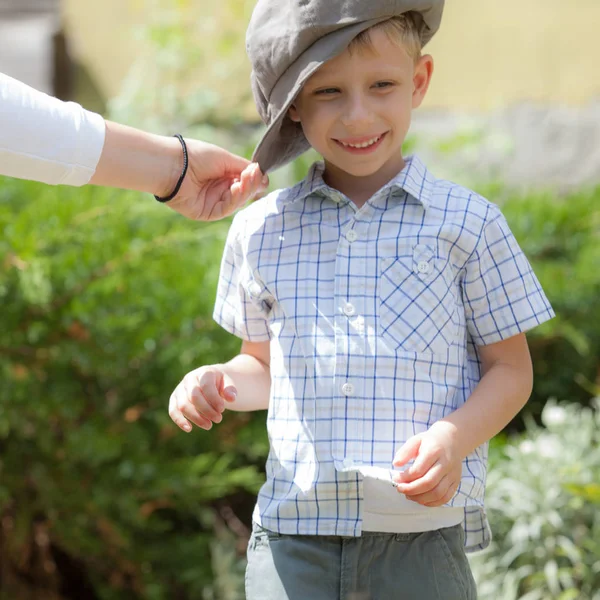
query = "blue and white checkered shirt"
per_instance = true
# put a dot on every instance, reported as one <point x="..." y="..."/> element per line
<point x="373" y="317"/>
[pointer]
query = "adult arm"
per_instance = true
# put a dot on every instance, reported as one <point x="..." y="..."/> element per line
<point x="45" y="139"/>
<point x="55" y="142"/>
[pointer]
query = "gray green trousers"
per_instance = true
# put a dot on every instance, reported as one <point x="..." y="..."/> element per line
<point x="376" y="566"/>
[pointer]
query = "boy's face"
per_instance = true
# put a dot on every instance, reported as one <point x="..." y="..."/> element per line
<point x="355" y="110"/>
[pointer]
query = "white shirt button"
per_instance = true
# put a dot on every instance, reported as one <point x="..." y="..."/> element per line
<point x="347" y="389"/>
<point x="254" y="289"/>
<point x="352" y="236"/>
<point x="349" y="309"/>
<point x="423" y="267"/>
<point x="358" y="324"/>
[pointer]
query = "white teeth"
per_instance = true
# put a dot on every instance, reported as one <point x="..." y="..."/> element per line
<point x="364" y="144"/>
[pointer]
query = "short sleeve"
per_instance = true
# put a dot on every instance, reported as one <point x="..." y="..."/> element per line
<point x="241" y="306"/>
<point x="501" y="294"/>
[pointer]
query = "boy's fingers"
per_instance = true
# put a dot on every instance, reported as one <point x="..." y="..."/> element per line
<point x="228" y="391"/>
<point x="408" y="451"/>
<point x="179" y="399"/>
<point x="190" y="412"/>
<point x="422" y="485"/>
<point x="446" y="497"/>
<point x="204" y="407"/>
<point x="230" y="394"/>
<point x="435" y="494"/>
<point x="177" y="416"/>
<point x="205" y="396"/>
<point x="419" y="468"/>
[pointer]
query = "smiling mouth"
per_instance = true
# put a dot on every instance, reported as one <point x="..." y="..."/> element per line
<point x="363" y="146"/>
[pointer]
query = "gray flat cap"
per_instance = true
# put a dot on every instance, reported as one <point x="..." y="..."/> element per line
<point x="288" y="40"/>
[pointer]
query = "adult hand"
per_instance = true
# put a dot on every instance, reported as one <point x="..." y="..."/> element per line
<point x="435" y="475"/>
<point x="217" y="183"/>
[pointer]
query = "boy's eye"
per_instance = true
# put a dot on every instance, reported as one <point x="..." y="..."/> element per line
<point x="383" y="84"/>
<point x="326" y="91"/>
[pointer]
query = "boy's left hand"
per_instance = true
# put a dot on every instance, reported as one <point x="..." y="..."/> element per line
<point x="434" y="477"/>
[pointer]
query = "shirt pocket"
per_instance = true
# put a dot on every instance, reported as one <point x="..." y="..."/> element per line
<point x="417" y="302"/>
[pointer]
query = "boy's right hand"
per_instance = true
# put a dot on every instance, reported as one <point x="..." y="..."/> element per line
<point x="200" y="398"/>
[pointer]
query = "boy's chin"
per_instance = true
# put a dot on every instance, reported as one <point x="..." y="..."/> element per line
<point x="356" y="170"/>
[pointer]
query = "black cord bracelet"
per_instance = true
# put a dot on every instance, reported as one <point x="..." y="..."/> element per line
<point x="185" y="167"/>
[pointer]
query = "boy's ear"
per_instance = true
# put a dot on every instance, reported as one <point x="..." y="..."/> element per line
<point x="422" y="79"/>
<point x="293" y="114"/>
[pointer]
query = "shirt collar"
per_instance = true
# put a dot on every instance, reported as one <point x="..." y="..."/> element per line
<point x="415" y="179"/>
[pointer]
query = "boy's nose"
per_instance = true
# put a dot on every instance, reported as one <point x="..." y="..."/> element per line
<point x="356" y="115"/>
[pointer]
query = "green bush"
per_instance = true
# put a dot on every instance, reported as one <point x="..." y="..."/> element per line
<point x="561" y="237"/>
<point x="543" y="501"/>
<point x="106" y="304"/>
<point x="107" y="301"/>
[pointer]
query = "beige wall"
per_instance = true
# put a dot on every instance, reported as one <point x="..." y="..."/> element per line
<point x="489" y="53"/>
<point x="492" y="53"/>
<point x="101" y="36"/>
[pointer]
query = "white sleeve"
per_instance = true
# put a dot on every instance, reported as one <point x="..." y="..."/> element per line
<point x="45" y="139"/>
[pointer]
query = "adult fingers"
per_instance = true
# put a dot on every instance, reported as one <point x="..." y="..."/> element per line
<point x="224" y="199"/>
<point x="247" y="186"/>
<point x="232" y="163"/>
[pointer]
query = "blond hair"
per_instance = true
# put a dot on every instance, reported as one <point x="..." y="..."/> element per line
<point x="401" y="30"/>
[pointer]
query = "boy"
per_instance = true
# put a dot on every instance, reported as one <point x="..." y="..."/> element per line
<point x="382" y="314"/>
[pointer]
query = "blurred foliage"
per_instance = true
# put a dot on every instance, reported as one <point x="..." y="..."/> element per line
<point x="188" y="57"/>
<point x="107" y="303"/>
<point x="561" y="238"/>
<point x="543" y="501"/>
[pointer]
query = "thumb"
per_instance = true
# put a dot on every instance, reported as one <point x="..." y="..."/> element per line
<point x="232" y="163"/>
<point x="228" y="389"/>
<point x="408" y="451"/>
